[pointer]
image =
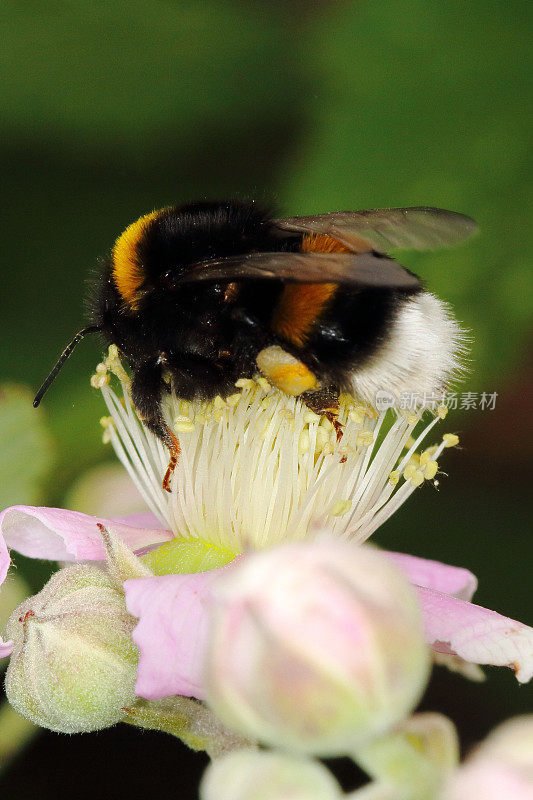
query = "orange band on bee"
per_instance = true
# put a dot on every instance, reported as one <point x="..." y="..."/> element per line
<point x="301" y="304"/>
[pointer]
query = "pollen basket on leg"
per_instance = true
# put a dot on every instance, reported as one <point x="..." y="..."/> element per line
<point x="285" y="371"/>
<point x="259" y="467"/>
<point x="128" y="273"/>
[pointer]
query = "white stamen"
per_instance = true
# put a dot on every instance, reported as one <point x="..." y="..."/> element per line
<point x="260" y="467"/>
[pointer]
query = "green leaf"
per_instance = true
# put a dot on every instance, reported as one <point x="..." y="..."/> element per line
<point x="124" y="71"/>
<point x="422" y="103"/>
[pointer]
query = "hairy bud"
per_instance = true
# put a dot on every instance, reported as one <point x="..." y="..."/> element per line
<point x="316" y="647"/>
<point x="74" y="663"/>
<point x="254" y="775"/>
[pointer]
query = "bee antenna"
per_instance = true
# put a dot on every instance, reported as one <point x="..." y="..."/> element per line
<point x="61" y="360"/>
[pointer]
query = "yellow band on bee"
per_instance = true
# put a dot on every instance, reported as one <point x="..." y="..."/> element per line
<point x="128" y="273"/>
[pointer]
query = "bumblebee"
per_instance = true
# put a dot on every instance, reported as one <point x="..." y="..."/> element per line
<point x="210" y="292"/>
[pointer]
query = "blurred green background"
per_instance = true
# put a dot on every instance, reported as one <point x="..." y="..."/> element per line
<point x="112" y="109"/>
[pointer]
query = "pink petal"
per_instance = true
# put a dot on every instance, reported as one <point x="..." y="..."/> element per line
<point x="142" y="519"/>
<point x="477" y="634"/>
<point x="62" y="535"/>
<point x="456" y="581"/>
<point x="6" y="648"/>
<point x="172" y="632"/>
<point x="4" y="560"/>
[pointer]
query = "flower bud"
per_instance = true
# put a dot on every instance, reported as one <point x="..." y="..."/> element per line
<point x="12" y="593"/>
<point x="74" y="663"/>
<point x="315" y="647"/>
<point x="501" y="768"/>
<point x="254" y="775"/>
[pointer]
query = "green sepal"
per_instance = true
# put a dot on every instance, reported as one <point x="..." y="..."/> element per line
<point x="188" y="720"/>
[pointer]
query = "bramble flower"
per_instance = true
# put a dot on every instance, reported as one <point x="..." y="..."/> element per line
<point x="258" y="469"/>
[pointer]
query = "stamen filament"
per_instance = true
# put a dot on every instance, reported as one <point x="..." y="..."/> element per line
<point x="261" y="468"/>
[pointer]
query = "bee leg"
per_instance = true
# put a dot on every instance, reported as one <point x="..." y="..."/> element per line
<point x="160" y="428"/>
<point x="146" y="390"/>
<point x="325" y="402"/>
<point x="175" y="450"/>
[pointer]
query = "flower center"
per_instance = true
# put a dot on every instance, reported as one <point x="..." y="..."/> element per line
<point x="259" y="467"/>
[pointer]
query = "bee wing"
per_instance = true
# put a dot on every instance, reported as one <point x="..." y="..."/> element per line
<point x="353" y="269"/>
<point x="421" y="228"/>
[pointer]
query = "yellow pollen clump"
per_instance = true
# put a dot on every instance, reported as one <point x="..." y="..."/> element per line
<point x="356" y="417"/>
<point x="233" y="399"/>
<point x="114" y="363"/>
<point x="414" y="461"/>
<point x="184" y="425"/>
<point x="409" y="471"/>
<point x="287" y="414"/>
<point x="98" y="381"/>
<point x="346" y="400"/>
<point x="417" y="478"/>
<point x="442" y="411"/>
<point x="106" y="423"/>
<point x="304" y="442"/>
<point x="412" y="419"/>
<point x="263" y="384"/>
<point x="394" y="477"/>
<point x="245" y="383"/>
<point x="364" y="439"/>
<point x="430" y="470"/>
<point x="322" y="438"/>
<point x="219" y="403"/>
<point x="341" y="508"/>
<point x="450" y="439"/>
